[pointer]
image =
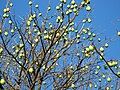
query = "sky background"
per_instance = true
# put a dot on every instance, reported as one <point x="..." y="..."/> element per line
<point x="105" y="15"/>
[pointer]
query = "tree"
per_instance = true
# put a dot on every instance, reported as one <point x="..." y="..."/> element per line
<point x="56" y="51"/>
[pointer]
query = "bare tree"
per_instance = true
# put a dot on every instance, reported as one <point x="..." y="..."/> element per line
<point x="54" y="52"/>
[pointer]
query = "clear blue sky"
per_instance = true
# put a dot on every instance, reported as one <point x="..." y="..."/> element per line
<point x="106" y="18"/>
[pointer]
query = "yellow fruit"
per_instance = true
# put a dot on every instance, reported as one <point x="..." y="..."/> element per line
<point x="5" y="10"/>
<point x="30" y="2"/>
<point x="6" y="33"/>
<point x="73" y="85"/>
<point x="8" y="9"/>
<point x="37" y="6"/>
<point x="108" y="79"/>
<point x="34" y="15"/>
<point x="31" y="70"/>
<point x="88" y="8"/>
<point x="73" y="2"/>
<point x="118" y="33"/>
<point x="90" y="85"/>
<point x="12" y="30"/>
<point x="2" y="81"/>
<point x="106" y="45"/>
<point x="89" y="20"/>
<point x="11" y="4"/>
<point x="91" y="48"/>
<point x="49" y="8"/>
<point x="28" y="23"/>
<point x="57" y="7"/>
<point x="87" y="49"/>
<point x="0" y="31"/>
<point x="101" y="49"/>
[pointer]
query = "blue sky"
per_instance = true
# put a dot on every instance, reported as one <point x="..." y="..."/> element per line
<point x="105" y="15"/>
<point x="106" y="18"/>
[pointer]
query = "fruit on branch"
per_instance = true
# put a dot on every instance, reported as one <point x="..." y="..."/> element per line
<point x="103" y="75"/>
<point x="73" y="2"/>
<point x="84" y="20"/>
<point x="84" y="31"/>
<point x="40" y="14"/>
<point x="95" y="86"/>
<point x="30" y="3"/>
<point x="100" y="80"/>
<point x="34" y="16"/>
<point x="30" y="18"/>
<point x="90" y="85"/>
<point x="36" y="6"/>
<point x="11" y="4"/>
<point x="28" y="23"/>
<point x="107" y="88"/>
<point x="5" y="33"/>
<point x="73" y="86"/>
<point x="57" y="7"/>
<point x="118" y="73"/>
<point x="91" y="47"/>
<point x="10" y="22"/>
<point x="109" y="79"/>
<point x="112" y="63"/>
<point x="2" y="81"/>
<point x="6" y="10"/>
<point x="68" y="6"/>
<point x="12" y="30"/>
<point x="101" y="49"/>
<point x="0" y="31"/>
<point x="94" y="35"/>
<point x="31" y="70"/>
<point x="98" y="67"/>
<point x="63" y="1"/>
<point x="96" y="72"/>
<point x="106" y="45"/>
<point x="118" y="33"/>
<point x="87" y="49"/>
<point x="78" y="36"/>
<point x="1" y="50"/>
<point x="88" y="8"/>
<point x="49" y="8"/>
<point x="89" y="20"/>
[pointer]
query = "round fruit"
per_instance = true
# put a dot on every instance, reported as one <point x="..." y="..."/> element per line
<point x="106" y="45"/>
<point x="91" y="48"/>
<point x="28" y="23"/>
<point x="36" y="6"/>
<point x="2" y="81"/>
<point x="88" y="8"/>
<point x="109" y="79"/>
<point x="118" y="33"/>
<point x="31" y="70"/>
<point x="73" y="85"/>
<point x="0" y="31"/>
<point x="12" y="30"/>
<point x="11" y="4"/>
<point x="57" y="7"/>
<point x="6" y="33"/>
<point x="102" y="49"/>
<point x="89" y="20"/>
<point x="98" y="67"/>
<point x="30" y="2"/>
<point x="73" y="2"/>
